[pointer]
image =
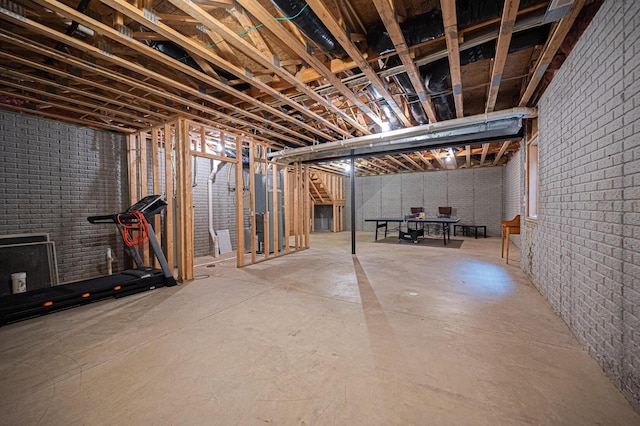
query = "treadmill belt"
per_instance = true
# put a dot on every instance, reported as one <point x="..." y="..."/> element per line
<point x="41" y="301"/>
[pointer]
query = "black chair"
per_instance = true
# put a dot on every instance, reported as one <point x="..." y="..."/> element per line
<point x="444" y="211"/>
<point x="415" y="211"/>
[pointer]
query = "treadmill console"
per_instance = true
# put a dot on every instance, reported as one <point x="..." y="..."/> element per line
<point x="149" y="205"/>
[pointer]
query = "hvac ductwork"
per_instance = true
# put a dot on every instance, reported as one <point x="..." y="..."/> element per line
<point x="417" y="29"/>
<point x="428" y="26"/>
<point x="306" y="20"/>
<point x="436" y="76"/>
<point x="498" y="125"/>
<point x="176" y="52"/>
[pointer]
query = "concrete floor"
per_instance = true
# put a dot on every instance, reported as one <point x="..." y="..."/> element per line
<point x="398" y="335"/>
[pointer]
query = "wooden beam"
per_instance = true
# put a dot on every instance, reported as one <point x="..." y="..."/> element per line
<point x="253" y="53"/>
<point x="274" y="204"/>
<point x="94" y="107"/>
<point x="247" y="25"/>
<point x="99" y="119"/>
<point x="323" y="13"/>
<point x="169" y="191"/>
<point x="398" y="162"/>
<point x="276" y="28"/>
<point x="436" y="155"/>
<point x="467" y="149"/>
<point x="387" y="13"/>
<point x="184" y="198"/>
<point x="240" y="245"/>
<point x="424" y="160"/>
<point x="509" y="13"/>
<point x="549" y="51"/>
<point x="144" y="179"/>
<point x="451" y="35"/>
<point x="155" y="145"/>
<point x="503" y="148"/>
<point x="149" y="88"/>
<point x="252" y="199"/>
<point x="196" y="49"/>
<point x="485" y="150"/>
<point x="412" y="161"/>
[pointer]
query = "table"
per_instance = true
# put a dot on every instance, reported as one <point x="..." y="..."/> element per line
<point x="467" y="228"/>
<point x="413" y="234"/>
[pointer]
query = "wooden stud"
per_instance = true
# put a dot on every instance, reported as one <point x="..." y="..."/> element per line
<point x="185" y="202"/>
<point x="276" y="228"/>
<point x="239" y="206"/>
<point x="252" y="200"/>
<point x="155" y="144"/>
<point x="509" y="13"/>
<point x="144" y="179"/>
<point x="169" y="190"/>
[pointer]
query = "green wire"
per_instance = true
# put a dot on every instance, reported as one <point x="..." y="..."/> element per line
<point x="261" y="25"/>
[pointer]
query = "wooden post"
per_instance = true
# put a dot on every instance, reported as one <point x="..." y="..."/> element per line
<point x="252" y="199"/>
<point x="239" y="206"/>
<point x="185" y="202"/>
<point x="306" y="206"/>
<point x="168" y="183"/>
<point x="132" y="157"/>
<point x="287" y="209"/>
<point x="276" y="229"/>
<point x="144" y="182"/>
<point x="296" y="206"/>
<point x="265" y="218"/>
<point x="155" y="133"/>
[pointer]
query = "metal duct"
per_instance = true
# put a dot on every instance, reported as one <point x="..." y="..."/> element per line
<point x="306" y="20"/>
<point x="174" y="51"/>
<point x="425" y="27"/>
<point x="394" y="122"/>
<point x="436" y="76"/>
<point x="498" y="125"/>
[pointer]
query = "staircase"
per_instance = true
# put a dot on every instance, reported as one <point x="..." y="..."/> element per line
<point x="327" y="189"/>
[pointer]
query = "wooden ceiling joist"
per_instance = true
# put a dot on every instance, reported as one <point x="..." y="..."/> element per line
<point x="166" y="82"/>
<point x="551" y="47"/>
<point x="153" y="54"/>
<point x="509" y="13"/>
<point x="485" y="150"/>
<point x="252" y="52"/>
<point x="278" y="30"/>
<point x="436" y="155"/>
<point x="412" y="161"/>
<point x="451" y="35"/>
<point x="66" y="118"/>
<point x="197" y="49"/>
<point x="340" y="34"/>
<point x="388" y="16"/>
<point x="122" y="116"/>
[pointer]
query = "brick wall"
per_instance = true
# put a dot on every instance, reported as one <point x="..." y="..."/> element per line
<point x="475" y="196"/>
<point x="224" y="207"/>
<point x="53" y="175"/>
<point x="513" y="188"/>
<point x="584" y="252"/>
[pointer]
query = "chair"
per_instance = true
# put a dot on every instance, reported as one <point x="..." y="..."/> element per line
<point x="509" y="227"/>
<point x="444" y="211"/>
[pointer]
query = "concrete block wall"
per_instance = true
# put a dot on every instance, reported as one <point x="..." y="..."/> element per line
<point x="224" y="207"/>
<point x="513" y="189"/>
<point x="53" y="175"/>
<point x="583" y="254"/>
<point x="475" y="196"/>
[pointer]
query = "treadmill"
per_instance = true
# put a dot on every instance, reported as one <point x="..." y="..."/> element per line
<point x="15" y="307"/>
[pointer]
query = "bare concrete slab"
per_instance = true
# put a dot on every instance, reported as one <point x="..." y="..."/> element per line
<point x="398" y="334"/>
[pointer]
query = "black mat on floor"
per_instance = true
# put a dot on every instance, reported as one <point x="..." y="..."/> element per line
<point x="423" y="242"/>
